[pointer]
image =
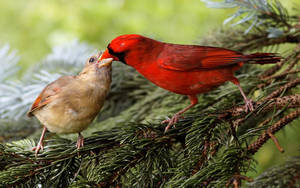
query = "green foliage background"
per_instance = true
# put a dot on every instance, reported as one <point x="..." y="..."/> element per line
<point x="33" y="27"/>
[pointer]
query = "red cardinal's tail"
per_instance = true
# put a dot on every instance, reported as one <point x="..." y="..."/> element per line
<point x="261" y="58"/>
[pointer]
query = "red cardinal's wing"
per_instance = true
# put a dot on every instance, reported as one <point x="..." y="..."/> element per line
<point x="48" y="92"/>
<point x="192" y="57"/>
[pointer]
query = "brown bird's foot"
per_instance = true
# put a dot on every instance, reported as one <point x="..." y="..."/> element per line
<point x="80" y="141"/>
<point x="37" y="148"/>
<point x="40" y="145"/>
<point x="249" y="105"/>
<point x="171" y="122"/>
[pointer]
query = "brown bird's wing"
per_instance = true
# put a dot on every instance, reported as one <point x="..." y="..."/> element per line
<point x="192" y="57"/>
<point x="48" y="92"/>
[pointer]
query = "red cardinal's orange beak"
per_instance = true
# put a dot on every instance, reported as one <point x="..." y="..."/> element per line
<point x="106" y="55"/>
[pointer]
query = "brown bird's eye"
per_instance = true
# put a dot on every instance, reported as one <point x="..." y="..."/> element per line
<point x="92" y="60"/>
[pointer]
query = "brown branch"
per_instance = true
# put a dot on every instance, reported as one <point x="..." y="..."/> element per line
<point x="290" y="101"/>
<point x="269" y="72"/>
<point x="268" y="120"/>
<point x="277" y="92"/>
<point x="263" y="41"/>
<point x="281" y="75"/>
<point x="276" y="142"/>
<point x="273" y="69"/>
<point x="262" y="139"/>
<point x="295" y="61"/>
<point x="265" y="122"/>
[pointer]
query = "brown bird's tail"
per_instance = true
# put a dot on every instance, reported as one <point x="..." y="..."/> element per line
<point x="261" y="58"/>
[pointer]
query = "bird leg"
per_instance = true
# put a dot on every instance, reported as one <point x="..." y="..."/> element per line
<point x="248" y="102"/>
<point x="80" y="141"/>
<point x="177" y="116"/>
<point x="40" y="145"/>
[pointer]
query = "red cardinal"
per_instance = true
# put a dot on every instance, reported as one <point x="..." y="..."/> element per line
<point x="183" y="69"/>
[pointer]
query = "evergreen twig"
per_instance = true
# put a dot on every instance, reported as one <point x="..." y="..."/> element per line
<point x="209" y="147"/>
<point x="255" y="146"/>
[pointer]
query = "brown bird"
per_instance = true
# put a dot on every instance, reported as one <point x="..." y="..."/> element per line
<point x="70" y="104"/>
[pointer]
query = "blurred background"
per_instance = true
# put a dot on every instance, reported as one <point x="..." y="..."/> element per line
<point x="34" y="27"/>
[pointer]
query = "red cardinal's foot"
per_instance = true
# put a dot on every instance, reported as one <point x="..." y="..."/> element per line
<point x="249" y="105"/>
<point x="171" y="122"/>
<point x="39" y="147"/>
<point x="80" y="141"/>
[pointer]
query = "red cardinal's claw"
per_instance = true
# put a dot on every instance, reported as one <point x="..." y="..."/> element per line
<point x="166" y="120"/>
<point x="171" y="122"/>
<point x="249" y="105"/>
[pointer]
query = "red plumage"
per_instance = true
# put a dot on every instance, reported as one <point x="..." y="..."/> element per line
<point x="183" y="69"/>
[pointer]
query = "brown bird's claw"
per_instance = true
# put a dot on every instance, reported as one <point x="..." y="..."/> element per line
<point x="80" y="141"/>
<point x="249" y="106"/>
<point x="171" y="122"/>
<point x="39" y="147"/>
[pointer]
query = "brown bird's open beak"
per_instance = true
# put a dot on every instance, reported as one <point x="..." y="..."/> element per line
<point x="105" y="62"/>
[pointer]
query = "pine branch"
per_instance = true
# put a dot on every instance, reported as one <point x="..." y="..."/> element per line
<point x="255" y="146"/>
<point x="262" y="106"/>
<point x="59" y="162"/>
<point x="282" y="89"/>
<point x="262" y="23"/>
<point x="62" y="152"/>
<point x="8" y="63"/>
<point x="209" y="147"/>
<point x="258" y="12"/>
